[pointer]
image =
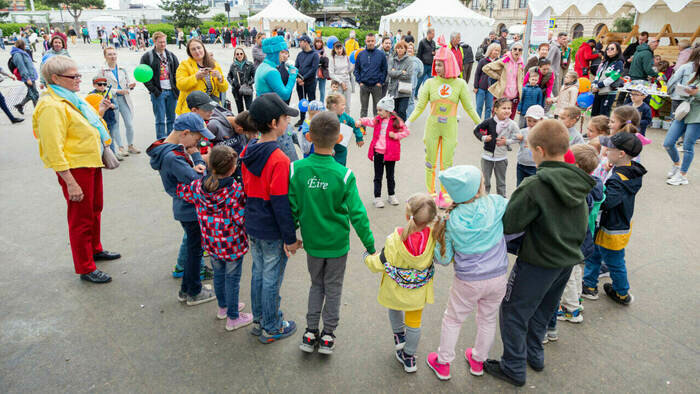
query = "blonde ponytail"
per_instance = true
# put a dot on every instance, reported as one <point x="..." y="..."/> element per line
<point x="421" y="211"/>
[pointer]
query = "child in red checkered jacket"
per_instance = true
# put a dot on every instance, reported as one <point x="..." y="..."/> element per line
<point x="219" y="202"/>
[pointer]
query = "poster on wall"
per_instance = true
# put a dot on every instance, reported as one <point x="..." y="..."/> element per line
<point x="540" y="28"/>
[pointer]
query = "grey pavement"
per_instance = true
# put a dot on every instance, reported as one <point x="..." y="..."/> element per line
<point x="60" y="334"/>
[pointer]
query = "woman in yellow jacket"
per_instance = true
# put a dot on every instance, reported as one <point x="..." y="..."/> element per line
<point x="198" y="72"/>
<point x="406" y="263"/>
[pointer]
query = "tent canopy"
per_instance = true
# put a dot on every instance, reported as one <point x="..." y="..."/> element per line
<point x="612" y="6"/>
<point x="108" y="21"/>
<point x="280" y="13"/>
<point x="445" y="16"/>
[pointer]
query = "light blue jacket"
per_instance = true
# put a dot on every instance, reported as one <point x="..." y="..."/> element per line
<point x="474" y="239"/>
<point x="24" y="64"/>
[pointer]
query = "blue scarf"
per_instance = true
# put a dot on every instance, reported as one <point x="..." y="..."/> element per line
<point x="86" y="109"/>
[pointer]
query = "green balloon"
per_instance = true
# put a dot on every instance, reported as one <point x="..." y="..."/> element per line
<point x="143" y="73"/>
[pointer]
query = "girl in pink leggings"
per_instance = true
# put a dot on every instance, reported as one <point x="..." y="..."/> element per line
<point x="472" y="237"/>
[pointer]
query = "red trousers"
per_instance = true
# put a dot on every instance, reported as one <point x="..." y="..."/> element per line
<point x="84" y="218"/>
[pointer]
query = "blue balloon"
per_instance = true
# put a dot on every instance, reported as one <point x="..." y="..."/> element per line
<point x="303" y="105"/>
<point x="585" y="100"/>
<point x="331" y="41"/>
<point x="353" y="56"/>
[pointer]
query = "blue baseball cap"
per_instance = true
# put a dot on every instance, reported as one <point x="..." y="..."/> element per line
<point x="192" y="122"/>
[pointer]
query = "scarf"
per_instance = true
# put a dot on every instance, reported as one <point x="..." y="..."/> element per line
<point x="239" y="64"/>
<point x="86" y="109"/>
<point x="501" y="125"/>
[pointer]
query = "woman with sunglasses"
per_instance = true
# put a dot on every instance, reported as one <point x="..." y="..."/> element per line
<point x="241" y="74"/>
<point x="508" y="71"/>
<point x="323" y="73"/>
<point x="607" y="80"/>
<point x="72" y="136"/>
<point x="340" y="69"/>
<point x="121" y="84"/>
<point x="198" y="72"/>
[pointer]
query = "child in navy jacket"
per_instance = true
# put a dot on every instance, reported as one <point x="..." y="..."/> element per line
<point x="532" y="95"/>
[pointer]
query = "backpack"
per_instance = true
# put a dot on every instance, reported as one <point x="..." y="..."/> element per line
<point x="11" y="65"/>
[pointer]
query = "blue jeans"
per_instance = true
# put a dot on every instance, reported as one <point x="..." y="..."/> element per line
<point x="524" y="172"/>
<point x="427" y="73"/>
<point x="123" y="109"/>
<point x="164" y="108"/>
<point x="322" y="89"/>
<point x="484" y="101"/>
<point x="615" y="260"/>
<point x="269" y="262"/>
<point x="287" y="144"/>
<point x="227" y="282"/>
<point x="191" y="284"/>
<point x="691" y="132"/>
<point x="182" y="255"/>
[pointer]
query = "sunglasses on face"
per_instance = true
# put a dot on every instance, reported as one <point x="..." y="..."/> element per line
<point x="73" y="77"/>
<point x="101" y="83"/>
<point x="516" y="50"/>
<point x="610" y="49"/>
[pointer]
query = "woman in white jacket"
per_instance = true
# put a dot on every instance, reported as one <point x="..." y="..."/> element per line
<point x="118" y="79"/>
<point x="340" y="69"/>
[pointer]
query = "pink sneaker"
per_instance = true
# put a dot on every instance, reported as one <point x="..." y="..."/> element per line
<point x="243" y="320"/>
<point x="442" y="371"/>
<point x="475" y="367"/>
<point x="221" y="314"/>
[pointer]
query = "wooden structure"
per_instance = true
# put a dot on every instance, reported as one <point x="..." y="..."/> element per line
<point x="668" y="52"/>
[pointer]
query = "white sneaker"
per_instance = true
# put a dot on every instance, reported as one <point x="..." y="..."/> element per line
<point x="678" y="180"/>
<point x="378" y="203"/>
<point x="673" y="171"/>
<point x="393" y="200"/>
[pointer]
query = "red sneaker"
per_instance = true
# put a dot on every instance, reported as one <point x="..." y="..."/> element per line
<point x="442" y="371"/>
<point x="475" y="367"/>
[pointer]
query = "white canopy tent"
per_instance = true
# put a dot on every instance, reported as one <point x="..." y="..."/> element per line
<point x="108" y="21"/>
<point x="445" y="16"/>
<point x="280" y="13"/>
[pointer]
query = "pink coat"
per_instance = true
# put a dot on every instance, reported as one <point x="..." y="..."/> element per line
<point x="393" y="145"/>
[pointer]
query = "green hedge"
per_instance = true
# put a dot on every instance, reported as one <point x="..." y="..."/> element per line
<point x="343" y="33"/>
<point x="166" y="28"/>
<point x="9" y="28"/>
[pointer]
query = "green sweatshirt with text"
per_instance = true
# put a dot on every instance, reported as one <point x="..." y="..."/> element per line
<point x="324" y="199"/>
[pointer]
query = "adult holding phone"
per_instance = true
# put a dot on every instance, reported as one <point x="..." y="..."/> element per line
<point x="118" y="80"/>
<point x="198" y="72"/>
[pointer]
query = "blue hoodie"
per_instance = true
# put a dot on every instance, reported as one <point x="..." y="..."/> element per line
<point x="174" y="166"/>
<point x="474" y="238"/>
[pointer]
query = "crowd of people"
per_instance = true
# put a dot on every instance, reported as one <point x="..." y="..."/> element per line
<point x="238" y="186"/>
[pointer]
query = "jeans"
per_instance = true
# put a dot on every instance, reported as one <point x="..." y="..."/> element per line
<point x="427" y="73"/>
<point x="191" y="284"/>
<point x="164" y="108"/>
<point x="182" y="255"/>
<point x="523" y="172"/>
<point x="3" y="105"/>
<point x="322" y="89"/>
<point x="286" y="144"/>
<point x="227" y="282"/>
<point x="602" y="104"/>
<point x="365" y="91"/>
<point x="122" y="108"/>
<point x="615" y="260"/>
<point x="32" y="94"/>
<point x="269" y="262"/>
<point x="484" y="102"/>
<point x="691" y="133"/>
<point x="379" y="165"/>
<point x="401" y="104"/>
<point x="2" y="43"/>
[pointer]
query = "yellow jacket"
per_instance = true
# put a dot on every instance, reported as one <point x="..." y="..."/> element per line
<point x="187" y="83"/>
<point x="351" y="45"/>
<point x="66" y="138"/>
<point x="393" y="296"/>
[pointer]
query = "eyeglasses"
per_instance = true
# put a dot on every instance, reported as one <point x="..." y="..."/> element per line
<point x="516" y="50"/>
<point x="610" y="49"/>
<point x="73" y="77"/>
<point x="101" y="83"/>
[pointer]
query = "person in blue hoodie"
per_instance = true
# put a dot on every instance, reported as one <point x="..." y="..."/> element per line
<point x="171" y="158"/>
<point x="27" y="74"/>
<point x="472" y="237"/>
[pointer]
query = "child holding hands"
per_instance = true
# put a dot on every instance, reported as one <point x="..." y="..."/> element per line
<point x="336" y="103"/>
<point x="473" y="238"/>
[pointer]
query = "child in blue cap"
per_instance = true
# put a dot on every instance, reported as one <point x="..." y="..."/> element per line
<point x="473" y="238"/>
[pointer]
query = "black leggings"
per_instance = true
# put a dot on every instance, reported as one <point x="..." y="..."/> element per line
<point x="3" y="106"/>
<point x="379" y="165"/>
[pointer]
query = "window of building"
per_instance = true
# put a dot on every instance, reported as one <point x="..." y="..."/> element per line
<point x="505" y="4"/>
<point x="577" y="31"/>
<point x="475" y="4"/>
<point x="522" y="4"/>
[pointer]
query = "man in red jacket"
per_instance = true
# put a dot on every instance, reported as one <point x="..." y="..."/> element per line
<point x="582" y="62"/>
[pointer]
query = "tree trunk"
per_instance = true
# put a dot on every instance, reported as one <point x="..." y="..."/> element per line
<point x="75" y="13"/>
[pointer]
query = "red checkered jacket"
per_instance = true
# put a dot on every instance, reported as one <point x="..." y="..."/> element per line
<point x="220" y="215"/>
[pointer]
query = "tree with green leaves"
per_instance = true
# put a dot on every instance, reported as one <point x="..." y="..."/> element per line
<point x="75" y="7"/>
<point x="308" y="5"/>
<point x="184" y="11"/>
<point x="220" y="18"/>
<point x="369" y="12"/>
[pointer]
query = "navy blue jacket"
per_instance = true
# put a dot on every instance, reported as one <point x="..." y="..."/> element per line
<point x="307" y="63"/>
<point x="596" y="194"/>
<point x="620" y="191"/>
<point x="645" y="114"/>
<point x="371" y="67"/>
<point x="174" y="166"/>
<point x="532" y="95"/>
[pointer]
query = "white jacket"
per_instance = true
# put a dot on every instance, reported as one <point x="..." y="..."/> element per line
<point x="340" y="69"/>
<point x="124" y="82"/>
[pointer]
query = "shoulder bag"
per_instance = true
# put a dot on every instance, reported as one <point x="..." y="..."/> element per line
<point x="244" y="89"/>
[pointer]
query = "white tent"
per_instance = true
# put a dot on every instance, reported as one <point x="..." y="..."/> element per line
<point x="612" y="6"/>
<point x="105" y="20"/>
<point x="445" y="16"/>
<point x="279" y="13"/>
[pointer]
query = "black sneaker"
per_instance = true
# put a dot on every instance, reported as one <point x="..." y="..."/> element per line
<point x="309" y="341"/>
<point x="20" y="109"/>
<point x="17" y="120"/>
<point x="408" y="361"/>
<point x="327" y="343"/>
<point x="399" y="340"/>
<point x="298" y="123"/>
<point x="493" y="368"/>
<point x="590" y="293"/>
<point x="96" y="276"/>
<point x="624" y="300"/>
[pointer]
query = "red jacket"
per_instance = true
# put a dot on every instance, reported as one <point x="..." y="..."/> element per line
<point x="392" y="145"/>
<point x="583" y="59"/>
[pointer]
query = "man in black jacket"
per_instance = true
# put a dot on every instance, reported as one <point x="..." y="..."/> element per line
<point x="426" y="52"/>
<point x="307" y="63"/>
<point x="163" y="86"/>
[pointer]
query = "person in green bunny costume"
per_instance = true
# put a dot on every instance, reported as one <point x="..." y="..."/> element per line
<point x="445" y="91"/>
